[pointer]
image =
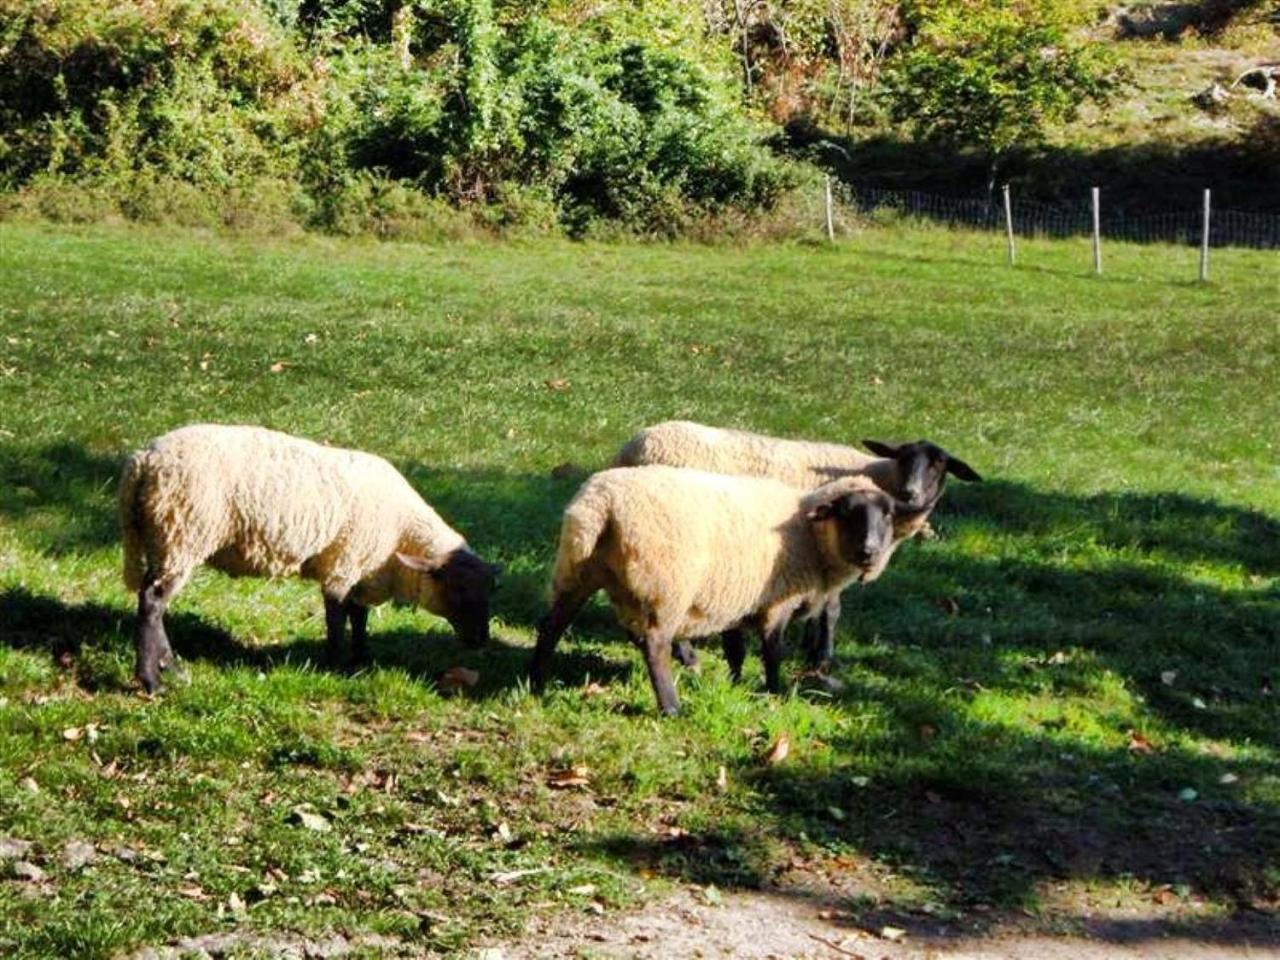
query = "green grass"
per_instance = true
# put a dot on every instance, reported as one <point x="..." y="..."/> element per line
<point x="976" y="759"/>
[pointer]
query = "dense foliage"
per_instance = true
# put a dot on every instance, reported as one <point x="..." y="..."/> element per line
<point x="368" y="114"/>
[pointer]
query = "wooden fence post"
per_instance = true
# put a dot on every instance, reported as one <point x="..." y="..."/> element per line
<point x="1008" y="225"/>
<point x="1097" y="231"/>
<point x="1204" y="241"/>
<point x="831" y="226"/>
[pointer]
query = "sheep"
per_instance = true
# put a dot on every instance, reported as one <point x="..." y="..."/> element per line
<point x="914" y="473"/>
<point x="252" y="501"/>
<point x="686" y="553"/>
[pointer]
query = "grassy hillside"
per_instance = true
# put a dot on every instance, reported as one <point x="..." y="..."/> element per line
<point x="1061" y="705"/>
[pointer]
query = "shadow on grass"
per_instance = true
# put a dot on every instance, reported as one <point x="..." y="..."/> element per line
<point x="35" y="622"/>
<point x="62" y="493"/>
<point x="1157" y="177"/>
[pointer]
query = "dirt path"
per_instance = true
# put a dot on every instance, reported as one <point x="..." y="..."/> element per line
<point x="763" y="926"/>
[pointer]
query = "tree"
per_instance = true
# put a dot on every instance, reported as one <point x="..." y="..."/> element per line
<point x="996" y="74"/>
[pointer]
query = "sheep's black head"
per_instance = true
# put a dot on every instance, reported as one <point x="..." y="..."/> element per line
<point x="859" y="529"/>
<point x="922" y="469"/>
<point x="457" y="587"/>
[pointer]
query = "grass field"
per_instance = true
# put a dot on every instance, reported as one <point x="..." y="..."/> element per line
<point x="1061" y="705"/>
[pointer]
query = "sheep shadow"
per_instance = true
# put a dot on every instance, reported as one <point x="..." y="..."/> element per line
<point x="63" y="630"/>
<point x="985" y="784"/>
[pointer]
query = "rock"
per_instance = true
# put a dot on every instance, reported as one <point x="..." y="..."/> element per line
<point x="77" y="854"/>
<point x="26" y="870"/>
<point x="11" y="848"/>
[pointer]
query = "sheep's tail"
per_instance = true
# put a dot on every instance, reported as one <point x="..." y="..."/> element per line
<point x="585" y="523"/>
<point x="135" y="555"/>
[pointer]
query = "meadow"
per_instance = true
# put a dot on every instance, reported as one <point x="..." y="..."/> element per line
<point x="1060" y="706"/>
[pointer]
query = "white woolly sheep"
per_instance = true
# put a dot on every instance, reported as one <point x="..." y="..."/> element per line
<point x="914" y="473"/>
<point x="687" y="553"/>
<point x="251" y="501"/>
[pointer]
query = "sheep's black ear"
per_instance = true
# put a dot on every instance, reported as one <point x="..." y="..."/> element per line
<point x="880" y="448"/>
<point x="962" y="470"/>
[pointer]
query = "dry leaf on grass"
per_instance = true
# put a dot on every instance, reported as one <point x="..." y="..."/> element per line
<point x="457" y="678"/>
<point x="278" y="366"/>
<point x="892" y="934"/>
<point x="1140" y="744"/>
<point x="779" y="750"/>
<point x="593" y="689"/>
<point x="578" y="775"/>
<point x="558" y="384"/>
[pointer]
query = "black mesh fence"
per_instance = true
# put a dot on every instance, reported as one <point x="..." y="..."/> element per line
<point x="1227" y="228"/>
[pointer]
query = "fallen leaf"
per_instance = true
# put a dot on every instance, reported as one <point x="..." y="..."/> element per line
<point x="1187" y="795"/>
<point x="193" y="893"/>
<point x="584" y="890"/>
<point x="72" y="734"/>
<point x="1228" y="778"/>
<point x="417" y="736"/>
<point x="278" y="366"/>
<point x="234" y="903"/>
<point x="310" y="338"/>
<point x="876" y="381"/>
<point x="779" y="750"/>
<point x="1168" y="676"/>
<point x="1198" y="703"/>
<point x="672" y="832"/>
<point x="1139" y="744"/>
<point x="575" y="776"/>
<point x="503" y="831"/>
<point x="892" y="934"/>
<point x="836" y="814"/>
<point x="593" y="689"/>
<point x="558" y="384"/>
<point x="1059" y="658"/>
<point x="455" y="679"/>
<point x="29" y="784"/>
<point x="712" y="895"/>
<point x="860" y="781"/>
<point x="722" y="779"/>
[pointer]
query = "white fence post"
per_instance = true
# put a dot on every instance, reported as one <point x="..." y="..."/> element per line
<point x="1097" y="231"/>
<point x="831" y="226"/>
<point x="1204" y="241"/>
<point x="1008" y="225"/>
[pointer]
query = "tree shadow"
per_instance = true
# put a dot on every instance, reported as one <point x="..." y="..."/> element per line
<point x="1139" y="180"/>
<point x="61" y="492"/>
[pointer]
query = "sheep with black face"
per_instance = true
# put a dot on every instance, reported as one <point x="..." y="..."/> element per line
<point x="687" y="553"/>
<point x="914" y="473"/>
<point x="251" y="501"/>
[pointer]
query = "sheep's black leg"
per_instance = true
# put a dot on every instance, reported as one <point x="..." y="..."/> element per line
<point x="153" y="652"/>
<point x="657" y="657"/>
<point x="820" y="635"/>
<point x="550" y="629"/>
<point x="771" y="651"/>
<point x="358" y="614"/>
<point x="684" y="654"/>
<point x="734" y="644"/>
<point x="335" y="624"/>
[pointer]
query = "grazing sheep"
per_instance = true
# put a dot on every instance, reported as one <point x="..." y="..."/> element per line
<point x="251" y="501"/>
<point x="914" y="473"/>
<point x="687" y="553"/>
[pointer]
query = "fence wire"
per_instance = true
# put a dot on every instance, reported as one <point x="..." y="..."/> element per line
<point x="1227" y="228"/>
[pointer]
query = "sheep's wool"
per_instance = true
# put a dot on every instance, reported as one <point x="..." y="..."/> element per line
<point x="691" y="553"/>
<point x="253" y="501"/>
<point x="800" y="463"/>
